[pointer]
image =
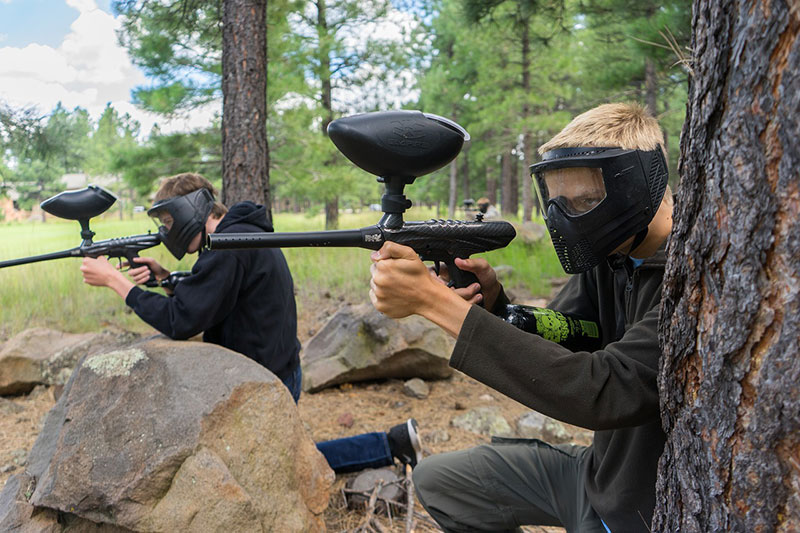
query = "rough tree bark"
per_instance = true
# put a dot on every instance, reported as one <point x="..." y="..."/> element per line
<point x="731" y="303"/>
<point x="245" y="152"/>
<point x="326" y="97"/>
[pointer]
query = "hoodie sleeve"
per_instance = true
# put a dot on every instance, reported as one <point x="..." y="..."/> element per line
<point x="610" y="388"/>
<point x="199" y="301"/>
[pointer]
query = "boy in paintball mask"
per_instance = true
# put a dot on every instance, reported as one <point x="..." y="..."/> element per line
<point x="601" y="183"/>
<point x="242" y="300"/>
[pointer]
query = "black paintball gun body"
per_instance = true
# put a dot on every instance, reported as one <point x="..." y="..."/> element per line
<point x="82" y="205"/>
<point x="398" y="147"/>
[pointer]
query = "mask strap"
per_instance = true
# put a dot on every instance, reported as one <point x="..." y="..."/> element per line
<point x="637" y="241"/>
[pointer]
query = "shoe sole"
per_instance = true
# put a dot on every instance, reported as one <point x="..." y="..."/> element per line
<point x="416" y="443"/>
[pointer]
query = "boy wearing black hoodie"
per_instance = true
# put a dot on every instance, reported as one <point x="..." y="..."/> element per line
<point x="240" y="299"/>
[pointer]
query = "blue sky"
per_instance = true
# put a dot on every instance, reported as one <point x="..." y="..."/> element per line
<point x="66" y="51"/>
<point x="47" y="22"/>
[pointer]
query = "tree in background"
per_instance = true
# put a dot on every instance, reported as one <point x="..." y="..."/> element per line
<point x="164" y="155"/>
<point x="636" y="51"/>
<point x="245" y="149"/>
<point x="524" y="27"/>
<point x="113" y="135"/>
<point x="730" y="318"/>
<point x="39" y="149"/>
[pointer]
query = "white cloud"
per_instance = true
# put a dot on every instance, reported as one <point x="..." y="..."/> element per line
<point x="88" y="69"/>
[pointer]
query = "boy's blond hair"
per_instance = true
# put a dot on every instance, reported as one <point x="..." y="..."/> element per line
<point x="182" y="184"/>
<point x="623" y="125"/>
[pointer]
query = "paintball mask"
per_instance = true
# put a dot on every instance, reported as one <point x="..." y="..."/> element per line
<point x="594" y="199"/>
<point x="180" y="218"/>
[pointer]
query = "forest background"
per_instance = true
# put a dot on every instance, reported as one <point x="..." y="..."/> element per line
<point x="512" y="73"/>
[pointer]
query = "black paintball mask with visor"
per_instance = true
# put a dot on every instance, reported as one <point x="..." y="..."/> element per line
<point x="181" y="218"/>
<point x="594" y="199"/>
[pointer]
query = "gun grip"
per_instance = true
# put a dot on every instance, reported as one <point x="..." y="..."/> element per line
<point x="460" y="278"/>
<point x="151" y="281"/>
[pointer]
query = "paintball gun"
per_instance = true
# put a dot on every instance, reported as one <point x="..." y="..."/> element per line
<point x="397" y="147"/>
<point x="82" y="205"/>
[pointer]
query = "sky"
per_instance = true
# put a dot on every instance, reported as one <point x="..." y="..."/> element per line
<point x="67" y="51"/>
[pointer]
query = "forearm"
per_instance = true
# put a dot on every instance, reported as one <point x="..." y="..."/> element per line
<point x="121" y="285"/>
<point x="446" y="309"/>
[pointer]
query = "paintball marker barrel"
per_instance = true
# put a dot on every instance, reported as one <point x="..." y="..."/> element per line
<point x="440" y="241"/>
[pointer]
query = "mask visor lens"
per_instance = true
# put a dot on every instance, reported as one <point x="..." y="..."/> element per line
<point x="577" y="190"/>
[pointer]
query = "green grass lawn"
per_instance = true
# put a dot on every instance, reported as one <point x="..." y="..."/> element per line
<point x="53" y="294"/>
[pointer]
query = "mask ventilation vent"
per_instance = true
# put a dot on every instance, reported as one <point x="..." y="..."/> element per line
<point x="657" y="181"/>
<point x="563" y="256"/>
<point x="577" y="259"/>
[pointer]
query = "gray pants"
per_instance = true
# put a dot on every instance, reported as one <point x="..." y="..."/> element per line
<point x="506" y="484"/>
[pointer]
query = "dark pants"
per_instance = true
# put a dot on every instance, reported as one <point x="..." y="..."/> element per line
<point x="506" y="484"/>
<point x="349" y="454"/>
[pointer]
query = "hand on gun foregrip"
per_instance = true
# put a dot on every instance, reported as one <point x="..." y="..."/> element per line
<point x="141" y="274"/>
<point x="400" y="282"/>
<point x="98" y="272"/>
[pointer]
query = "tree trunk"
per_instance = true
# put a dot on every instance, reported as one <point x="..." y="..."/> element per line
<point x="527" y="199"/>
<point x="731" y="302"/>
<point x="651" y="86"/>
<point x="451" y="203"/>
<point x="465" y="172"/>
<point x="491" y="185"/>
<point x="514" y="178"/>
<point x="507" y="207"/>
<point x="331" y="203"/>
<point x="245" y="152"/>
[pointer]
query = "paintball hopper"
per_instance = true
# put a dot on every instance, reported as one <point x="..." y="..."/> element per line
<point x="80" y="205"/>
<point x="397" y="146"/>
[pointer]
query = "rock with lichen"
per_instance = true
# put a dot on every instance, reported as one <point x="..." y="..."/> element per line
<point x="42" y="356"/>
<point x="171" y="436"/>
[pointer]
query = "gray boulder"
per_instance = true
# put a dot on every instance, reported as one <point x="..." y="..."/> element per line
<point x="485" y="420"/>
<point x="171" y="436"/>
<point x="45" y="356"/>
<point x="416" y="388"/>
<point x="530" y="232"/>
<point x="534" y="425"/>
<point x="358" y="344"/>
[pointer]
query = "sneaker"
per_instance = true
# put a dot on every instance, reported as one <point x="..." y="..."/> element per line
<point x="404" y="442"/>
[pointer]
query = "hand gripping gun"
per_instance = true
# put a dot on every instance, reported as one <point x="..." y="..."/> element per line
<point x="397" y="147"/>
<point x="82" y="205"/>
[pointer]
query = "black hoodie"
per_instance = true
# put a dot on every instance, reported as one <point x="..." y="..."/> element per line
<point x="240" y="299"/>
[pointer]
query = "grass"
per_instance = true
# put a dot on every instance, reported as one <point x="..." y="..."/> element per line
<point x="52" y="293"/>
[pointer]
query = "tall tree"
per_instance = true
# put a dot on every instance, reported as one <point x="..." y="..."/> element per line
<point x="522" y="20"/>
<point x="245" y="149"/>
<point x="42" y="148"/>
<point x="731" y="303"/>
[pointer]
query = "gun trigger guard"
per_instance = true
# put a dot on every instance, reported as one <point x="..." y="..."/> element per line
<point x="437" y="266"/>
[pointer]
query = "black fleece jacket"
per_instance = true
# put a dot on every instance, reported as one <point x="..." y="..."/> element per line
<point x="612" y="391"/>
<point x="240" y="299"/>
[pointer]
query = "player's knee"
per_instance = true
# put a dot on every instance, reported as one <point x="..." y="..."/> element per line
<point x="424" y="475"/>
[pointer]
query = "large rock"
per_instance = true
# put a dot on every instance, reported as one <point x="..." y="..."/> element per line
<point x="530" y="232"/>
<point x="358" y="344"/>
<point x="486" y="420"/>
<point x="172" y="436"/>
<point x="45" y="356"/>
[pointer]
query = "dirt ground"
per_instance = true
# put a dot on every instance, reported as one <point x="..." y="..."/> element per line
<point x="346" y="410"/>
